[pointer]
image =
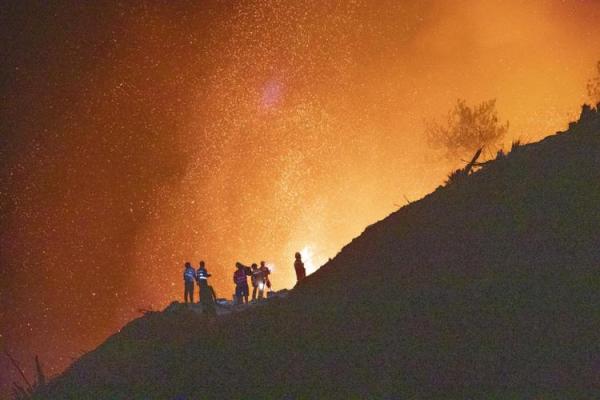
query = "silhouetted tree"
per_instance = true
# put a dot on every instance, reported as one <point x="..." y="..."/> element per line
<point x="593" y="86"/>
<point x="466" y="129"/>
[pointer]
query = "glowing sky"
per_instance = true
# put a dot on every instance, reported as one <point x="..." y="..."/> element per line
<point x="135" y="138"/>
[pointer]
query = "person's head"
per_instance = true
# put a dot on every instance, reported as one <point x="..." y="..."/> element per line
<point x="254" y="266"/>
<point x="298" y="256"/>
<point x="239" y="265"/>
<point x="262" y="263"/>
<point x="188" y="265"/>
<point x="201" y="264"/>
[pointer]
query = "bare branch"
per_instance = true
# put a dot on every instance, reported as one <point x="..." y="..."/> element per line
<point x="41" y="378"/>
<point x="18" y="368"/>
<point x="473" y="161"/>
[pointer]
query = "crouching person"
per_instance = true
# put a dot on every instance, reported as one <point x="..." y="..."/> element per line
<point x="207" y="293"/>
<point x="208" y="300"/>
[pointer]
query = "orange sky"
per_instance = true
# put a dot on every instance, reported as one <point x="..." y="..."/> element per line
<point x="342" y="143"/>
<point x="144" y="137"/>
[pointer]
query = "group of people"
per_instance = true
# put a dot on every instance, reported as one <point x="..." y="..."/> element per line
<point x="206" y="294"/>
<point x="259" y="277"/>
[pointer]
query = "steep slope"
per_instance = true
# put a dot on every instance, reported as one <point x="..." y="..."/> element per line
<point x="488" y="285"/>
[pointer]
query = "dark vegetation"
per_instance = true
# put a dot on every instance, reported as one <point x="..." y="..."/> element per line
<point x="593" y="86"/>
<point x="487" y="288"/>
<point x="466" y="129"/>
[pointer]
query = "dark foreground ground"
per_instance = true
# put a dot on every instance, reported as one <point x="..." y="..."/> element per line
<point x="487" y="288"/>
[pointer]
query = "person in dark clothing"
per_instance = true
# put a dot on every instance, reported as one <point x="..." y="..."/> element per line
<point x="202" y="276"/>
<point x="241" y="283"/>
<point x="189" y="276"/>
<point x="266" y="272"/>
<point x="208" y="299"/>
<point x="205" y="292"/>
<point x="299" y="267"/>
<point x="257" y="282"/>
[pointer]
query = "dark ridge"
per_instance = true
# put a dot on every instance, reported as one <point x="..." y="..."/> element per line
<point x="489" y="287"/>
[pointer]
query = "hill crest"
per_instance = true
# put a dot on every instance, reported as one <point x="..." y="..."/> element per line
<point x="486" y="285"/>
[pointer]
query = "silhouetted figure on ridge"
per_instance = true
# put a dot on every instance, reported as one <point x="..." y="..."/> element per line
<point x="241" y="283"/>
<point x="266" y="272"/>
<point x="202" y="277"/>
<point x="189" y="276"/>
<point x="255" y="279"/>
<point x="208" y="299"/>
<point x="206" y="295"/>
<point x="299" y="267"/>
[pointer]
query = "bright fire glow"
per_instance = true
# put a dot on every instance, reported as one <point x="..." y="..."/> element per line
<point x="241" y="131"/>
<point x="308" y="257"/>
<point x="271" y="266"/>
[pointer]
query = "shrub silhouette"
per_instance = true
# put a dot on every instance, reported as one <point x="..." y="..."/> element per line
<point x="593" y="86"/>
<point x="466" y="129"/>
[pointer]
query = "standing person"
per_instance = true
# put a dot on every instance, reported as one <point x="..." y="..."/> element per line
<point x="241" y="283"/>
<point x="189" y="276"/>
<point x="257" y="282"/>
<point x="202" y="279"/>
<point x="202" y="276"/>
<point x="254" y="280"/>
<point x="266" y="272"/>
<point x="299" y="267"/>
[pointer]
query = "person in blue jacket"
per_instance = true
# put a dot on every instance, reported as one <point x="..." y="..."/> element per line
<point x="202" y="275"/>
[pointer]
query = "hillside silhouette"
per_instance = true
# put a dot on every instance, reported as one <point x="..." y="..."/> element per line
<point x="489" y="285"/>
